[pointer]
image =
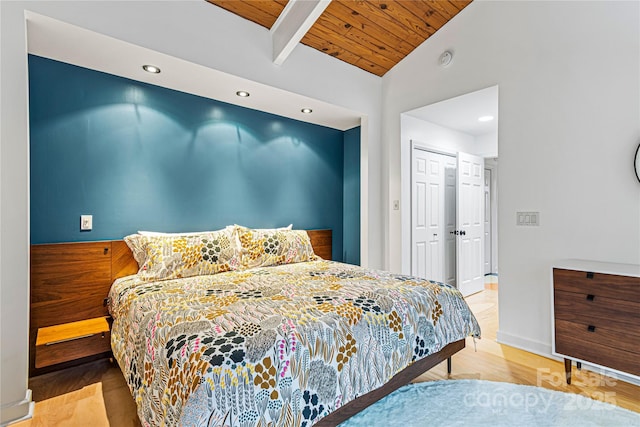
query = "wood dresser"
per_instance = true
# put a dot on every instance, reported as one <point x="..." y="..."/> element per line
<point x="596" y="315"/>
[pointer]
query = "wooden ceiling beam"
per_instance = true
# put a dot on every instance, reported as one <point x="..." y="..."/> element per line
<point x="293" y="23"/>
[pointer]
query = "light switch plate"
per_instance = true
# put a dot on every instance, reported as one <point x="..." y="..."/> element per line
<point x="86" y="222"/>
<point x="528" y="219"/>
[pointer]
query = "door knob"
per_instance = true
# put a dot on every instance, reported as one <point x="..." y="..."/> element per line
<point x="463" y="233"/>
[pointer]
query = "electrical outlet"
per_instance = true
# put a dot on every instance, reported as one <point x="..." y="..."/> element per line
<point x="86" y="222"/>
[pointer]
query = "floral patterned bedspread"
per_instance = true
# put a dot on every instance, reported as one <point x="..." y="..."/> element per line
<point x="281" y="346"/>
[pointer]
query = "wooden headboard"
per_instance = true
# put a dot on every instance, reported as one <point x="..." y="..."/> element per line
<point x="70" y="281"/>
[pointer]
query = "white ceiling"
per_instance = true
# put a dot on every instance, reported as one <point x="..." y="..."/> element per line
<point x="462" y="112"/>
<point x="58" y="40"/>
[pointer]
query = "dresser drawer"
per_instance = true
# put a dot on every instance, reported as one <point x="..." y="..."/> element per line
<point x="599" y="311"/>
<point x="598" y="333"/>
<point x="70" y="341"/>
<point x="600" y="285"/>
<point x="571" y="342"/>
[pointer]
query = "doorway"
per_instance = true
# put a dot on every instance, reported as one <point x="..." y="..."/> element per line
<point x="447" y="217"/>
<point x="436" y="135"/>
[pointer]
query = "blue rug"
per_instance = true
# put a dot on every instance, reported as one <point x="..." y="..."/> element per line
<point x="487" y="403"/>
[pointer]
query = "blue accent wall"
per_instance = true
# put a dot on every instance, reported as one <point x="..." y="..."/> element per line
<point x="142" y="157"/>
<point x="351" y="195"/>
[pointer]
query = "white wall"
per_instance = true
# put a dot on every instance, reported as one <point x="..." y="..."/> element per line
<point x="190" y="30"/>
<point x="487" y="145"/>
<point x="436" y="136"/>
<point x="14" y="221"/>
<point x="569" y="110"/>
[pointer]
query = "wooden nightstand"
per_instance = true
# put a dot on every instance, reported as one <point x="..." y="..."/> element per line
<point x="71" y="341"/>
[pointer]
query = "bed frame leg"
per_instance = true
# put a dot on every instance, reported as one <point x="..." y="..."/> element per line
<point x="448" y="365"/>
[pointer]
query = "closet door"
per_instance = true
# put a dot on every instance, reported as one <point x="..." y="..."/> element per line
<point x="470" y="220"/>
<point x="427" y="214"/>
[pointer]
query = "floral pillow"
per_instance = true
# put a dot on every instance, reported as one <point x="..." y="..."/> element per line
<point x="276" y="246"/>
<point x="136" y="243"/>
<point x="174" y="255"/>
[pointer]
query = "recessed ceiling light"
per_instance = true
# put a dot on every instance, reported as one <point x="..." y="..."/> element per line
<point x="243" y="93"/>
<point x="485" y="118"/>
<point x="151" y="69"/>
<point x="307" y="110"/>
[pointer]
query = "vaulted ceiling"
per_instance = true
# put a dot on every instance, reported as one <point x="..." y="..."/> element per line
<point x="373" y="35"/>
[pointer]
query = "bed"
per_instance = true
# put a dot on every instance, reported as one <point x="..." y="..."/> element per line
<point x="272" y="335"/>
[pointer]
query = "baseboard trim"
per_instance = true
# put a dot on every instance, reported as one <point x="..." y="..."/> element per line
<point x="535" y="347"/>
<point x="17" y="411"/>
<point x="544" y="350"/>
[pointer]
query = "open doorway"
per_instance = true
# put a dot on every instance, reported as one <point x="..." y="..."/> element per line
<point x="453" y="190"/>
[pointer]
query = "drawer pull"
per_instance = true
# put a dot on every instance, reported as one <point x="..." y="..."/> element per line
<point x="70" y="339"/>
<point x="591" y="328"/>
<point x="589" y="275"/>
<point x="590" y="297"/>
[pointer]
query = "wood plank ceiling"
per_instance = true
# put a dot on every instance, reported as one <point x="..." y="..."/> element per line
<point x="373" y="35"/>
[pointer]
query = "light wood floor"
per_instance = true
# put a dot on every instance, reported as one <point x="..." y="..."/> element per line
<point x="96" y="394"/>
<point x="497" y="362"/>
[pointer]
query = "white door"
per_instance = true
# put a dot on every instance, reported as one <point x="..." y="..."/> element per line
<point x="470" y="220"/>
<point x="427" y="212"/>
<point x="487" y="221"/>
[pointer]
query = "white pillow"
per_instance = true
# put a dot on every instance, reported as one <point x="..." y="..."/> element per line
<point x="288" y="227"/>
<point x="195" y="233"/>
<point x="159" y="233"/>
